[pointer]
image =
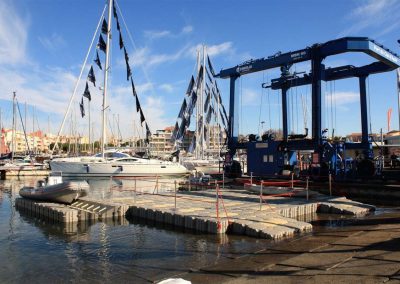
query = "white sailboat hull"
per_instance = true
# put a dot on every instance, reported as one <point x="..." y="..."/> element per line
<point x="115" y="169"/>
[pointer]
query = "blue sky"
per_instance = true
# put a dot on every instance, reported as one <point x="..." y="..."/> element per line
<point x="43" y="44"/>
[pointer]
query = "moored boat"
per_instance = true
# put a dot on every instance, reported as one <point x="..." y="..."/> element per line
<point x="55" y="190"/>
<point x="116" y="164"/>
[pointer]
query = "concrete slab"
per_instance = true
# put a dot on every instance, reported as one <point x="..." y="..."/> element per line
<point x="366" y="267"/>
<point x="324" y="259"/>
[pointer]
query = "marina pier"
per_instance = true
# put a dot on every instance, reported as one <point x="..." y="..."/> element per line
<point x="212" y="211"/>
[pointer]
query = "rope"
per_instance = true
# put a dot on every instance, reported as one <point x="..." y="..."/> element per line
<point x="334" y="92"/>
<point x="280" y="111"/>
<point x="259" y="114"/>
<point x="297" y="113"/>
<point x="219" y="194"/>
<point x="331" y="87"/>
<point x="269" y="109"/>
<point x="369" y="107"/>
<point x="241" y="106"/>
<point x="297" y="106"/>
<point x="77" y="83"/>
<point x="136" y="49"/>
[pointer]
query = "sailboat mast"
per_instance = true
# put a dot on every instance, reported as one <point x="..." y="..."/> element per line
<point x="218" y="123"/>
<point x="14" y="127"/>
<point x="90" y="131"/>
<point x="106" y="69"/>
<point x="198" y="104"/>
<point x="203" y="88"/>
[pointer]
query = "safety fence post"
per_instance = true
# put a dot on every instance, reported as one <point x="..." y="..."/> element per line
<point x="134" y="193"/>
<point x="261" y="193"/>
<point x="175" y="195"/>
<point x="157" y="184"/>
<point x="292" y="181"/>
<point x="110" y="184"/>
<point x="330" y="184"/>
<point x="217" y="203"/>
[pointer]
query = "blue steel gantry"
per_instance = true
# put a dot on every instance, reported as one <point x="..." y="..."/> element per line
<point x="270" y="158"/>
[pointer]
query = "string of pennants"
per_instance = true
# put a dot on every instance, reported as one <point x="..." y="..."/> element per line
<point x="189" y="102"/>
<point x="102" y="46"/>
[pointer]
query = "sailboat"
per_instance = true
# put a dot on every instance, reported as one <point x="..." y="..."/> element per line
<point x="111" y="162"/>
<point x="202" y="96"/>
<point x="20" y="165"/>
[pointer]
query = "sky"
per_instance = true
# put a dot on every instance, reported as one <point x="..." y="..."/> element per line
<point x="43" y="44"/>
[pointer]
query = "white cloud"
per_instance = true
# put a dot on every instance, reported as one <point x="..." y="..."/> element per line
<point x="53" y="42"/>
<point x="250" y="97"/>
<point x="154" y="109"/>
<point x="140" y="56"/>
<point x="167" y="88"/>
<point x="152" y="35"/>
<point x="157" y="59"/>
<point x="48" y="90"/>
<point x="145" y="57"/>
<point x="144" y="88"/>
<point x="156" y="34"/>
<point x="342" y="99"/>
<point x="213" y="50"/>
<point x="381" y="16"/>
<point x="187" y="30"/>
<point x="13" y="35"/>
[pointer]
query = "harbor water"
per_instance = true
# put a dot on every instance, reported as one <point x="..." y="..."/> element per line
<point x="120" y="251"/>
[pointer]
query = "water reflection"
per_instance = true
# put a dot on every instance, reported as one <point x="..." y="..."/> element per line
<point x="105" y="251"/>
<point x="102" y="251"/>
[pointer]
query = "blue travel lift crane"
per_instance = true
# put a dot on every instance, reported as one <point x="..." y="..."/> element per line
<point x="270" y="157"/>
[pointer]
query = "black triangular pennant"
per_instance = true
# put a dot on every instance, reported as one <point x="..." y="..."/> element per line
<point x="182" y="128"/>
<point x="141" y="117"/>
<point x="91" y="76"/>
<point x="97" y="60"/>
<point x="199" y="78"/>
<point x="190" y="87"/>
<point x="121" y="41"/>
<point x="210" y="66"/>
<point x="86" y="93"/>
<point x="207" y="102"/>
<point x="209" y="76"/>
<point x="176" y="128"/>
<point x="126" y="55"/>
<point x="133" y="88"/>
<point x="115" y="11"/>
<point x="148" y="132"/>
<point x="183" y="109"/>
<point x="209" y="112"/>
<point x="82" y="108"/>
<point x="104" y="27"/>
<point x="192" y="146"/>
<point x="137" y="104"/>
<point x="128" y="71"/>
<point x="102" y="44"/>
